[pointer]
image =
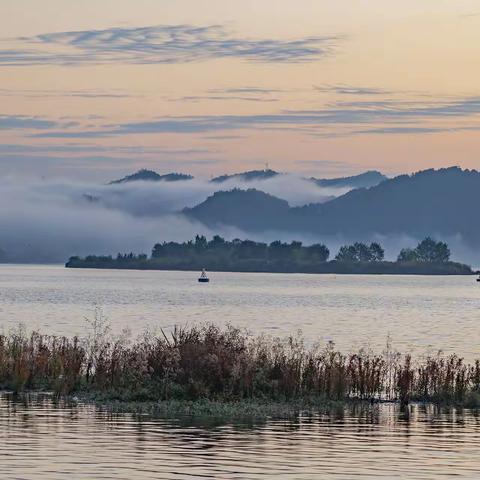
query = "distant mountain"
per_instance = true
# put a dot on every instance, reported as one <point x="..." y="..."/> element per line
<point x="364" y="180"/>
<point x="151" y="176"/>
<point x="431" y="202"/>
<point x="250" y="210"/>
<point x="247" y="176"/>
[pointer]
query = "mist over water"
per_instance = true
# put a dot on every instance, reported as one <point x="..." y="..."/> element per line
<point x="50" y="221"/>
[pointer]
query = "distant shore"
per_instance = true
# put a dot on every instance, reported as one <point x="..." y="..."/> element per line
<point x="332" y="267"/>
<point x="428" y="258"/>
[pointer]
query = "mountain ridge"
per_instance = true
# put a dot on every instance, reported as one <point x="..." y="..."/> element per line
<point x="152" y="176"/>
<point x="428" y="202"/>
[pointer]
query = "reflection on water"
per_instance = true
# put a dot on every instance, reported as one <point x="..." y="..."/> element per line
<point x="43" y="440"/>
<point x="421" y="314"/>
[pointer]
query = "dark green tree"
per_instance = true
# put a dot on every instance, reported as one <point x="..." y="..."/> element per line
<point x="347" y="253"/>
<point x="200" y="242"/>
<point x="377" y="253"/>
<point x="277" y="250"/>
<point x="216" y="242"/>
<point x="407" y="255"/>
<point x="428" y="250"/>
<point x="318" y="252"/>
<point x="362" y="252"/>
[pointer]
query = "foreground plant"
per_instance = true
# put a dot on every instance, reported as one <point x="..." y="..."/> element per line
<point x="225" y="365"/>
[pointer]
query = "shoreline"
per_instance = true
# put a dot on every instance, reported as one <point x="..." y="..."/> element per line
<point x="258" y="409"/>
<point x="385" y="268"/>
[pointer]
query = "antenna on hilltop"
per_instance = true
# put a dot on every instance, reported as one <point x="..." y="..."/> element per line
<point x="266" y="166"/>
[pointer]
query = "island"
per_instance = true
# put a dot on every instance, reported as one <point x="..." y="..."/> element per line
<point x="430" y="257"/>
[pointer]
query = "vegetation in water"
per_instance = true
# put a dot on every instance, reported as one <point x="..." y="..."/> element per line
<point x="429" y="257"/>
<point x="226" y="366"/>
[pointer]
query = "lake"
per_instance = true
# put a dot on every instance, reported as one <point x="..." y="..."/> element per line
<point x="421" y="314"/>
<point x="41" y="439"/>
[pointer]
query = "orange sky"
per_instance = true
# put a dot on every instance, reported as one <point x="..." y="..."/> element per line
<point x="318" y="87"/>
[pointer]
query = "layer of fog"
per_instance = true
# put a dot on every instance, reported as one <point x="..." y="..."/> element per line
<point x="49" y="222"/>
<point x="154" y="198"/>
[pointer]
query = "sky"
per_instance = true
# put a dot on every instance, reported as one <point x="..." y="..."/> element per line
<point x="95" y="89"/>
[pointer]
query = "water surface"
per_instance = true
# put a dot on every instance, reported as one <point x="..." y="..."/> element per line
<point x="41" y="440"/>
<point x="422" y="314"/>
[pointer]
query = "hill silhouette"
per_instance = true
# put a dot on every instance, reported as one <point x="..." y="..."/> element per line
<point x="152" y="176"/>
<point x="443" y="202"/>
<point x="249" y="176"/>
<point x="363" y="180"/>
<point x="366" y="179"/>
<point x="250" y="210"/>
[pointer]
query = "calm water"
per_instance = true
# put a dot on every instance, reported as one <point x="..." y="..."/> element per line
<point x="421" y="314"/>
<point x="39" y="440"/>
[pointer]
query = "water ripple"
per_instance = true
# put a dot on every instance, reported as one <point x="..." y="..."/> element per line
<point x="43" y="440"/>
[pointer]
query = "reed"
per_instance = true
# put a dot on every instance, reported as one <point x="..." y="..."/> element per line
<point x="209" y="363"/>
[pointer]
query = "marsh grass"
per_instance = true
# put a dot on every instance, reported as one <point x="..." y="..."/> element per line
<point x="226" y="366"/>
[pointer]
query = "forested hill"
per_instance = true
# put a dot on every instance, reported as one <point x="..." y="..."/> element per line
<point x="443" y="202"/>
<point x="151" y="176"/>
<point x="364" y="180"/>
<point x="249" y="210"/>
<point x="247" y="176"/>
<point x="440" y="201"/>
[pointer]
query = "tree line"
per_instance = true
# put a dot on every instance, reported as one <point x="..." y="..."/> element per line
<point x="221" y="253"/>
<point x="428" y="250"/>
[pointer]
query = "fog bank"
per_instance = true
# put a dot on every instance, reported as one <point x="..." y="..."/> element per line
<point x="51" y="221"/>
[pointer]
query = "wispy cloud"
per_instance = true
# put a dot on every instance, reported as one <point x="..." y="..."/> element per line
<point x="351" y="90"/>
<point x="98" y="166"/>
<point x="65" y="94"/>
<point x="371" y="114"/>
<point x="165" y="44"/>
<point x="413" y="130"/>
<point x="470" y="15"/>
<point x="246" y="90"/>
<point x="9" y="148"/>
<point x="244" y="94"/>
<point x="15" y="122"/>
<point x="223" y="98"/>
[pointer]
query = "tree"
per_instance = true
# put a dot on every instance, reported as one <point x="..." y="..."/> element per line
<point x="428" y="250"/>
<point x="360" y="252"/>
<point x="347" y="253"/>
<point x="200" y="242"/>
<point x="295" y="245"/>
<point x="277" y="249"/>
<point x="216" y="241"/>
<point x="250" y="249"/>
<point x="318" y="252"/>
<point x="377" y="253"/>
<point x="407" y="255"/>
